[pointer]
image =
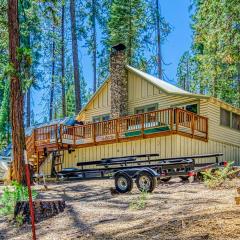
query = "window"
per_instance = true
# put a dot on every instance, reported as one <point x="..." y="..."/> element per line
<point x="235" y="121"/>
<point x="101" y="118"/>
<point x="147" y="108"/>
<point x="192" y="108"/>
<point x="224" y="117"/>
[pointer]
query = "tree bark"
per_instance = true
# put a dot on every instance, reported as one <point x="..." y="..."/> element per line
<point x="16" y="96"/>
<point x="28" y="107"/>
<point x="63" y="64"/>
<point x="78" y="105"/>
<point x="94" y="45"/>
<point x="28" y="73"/>
<point x="130" y="34"/>
<point x="53" y="80"/>
<point x="159" y="52"/>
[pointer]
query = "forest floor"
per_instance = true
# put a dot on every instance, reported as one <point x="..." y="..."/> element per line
<point x="174" y="211"/>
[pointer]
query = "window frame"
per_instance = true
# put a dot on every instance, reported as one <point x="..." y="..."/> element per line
<point x="238" y="129"/>
<point x="100" y="117"/>
<point x="145" y="108"/>
<point x="231" y="119"/>
<point x="185" y="104"/>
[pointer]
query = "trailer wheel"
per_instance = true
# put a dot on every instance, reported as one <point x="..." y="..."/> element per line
<point x="166" y="179"/>
<point x="123" y="183"/>
<point x="184" y="178"/>
<point x="146" y="182"/>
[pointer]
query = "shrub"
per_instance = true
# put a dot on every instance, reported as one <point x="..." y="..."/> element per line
<point x="11" y="195"/>
<point x="214" y="178"/>
<point x="140" y="202"/>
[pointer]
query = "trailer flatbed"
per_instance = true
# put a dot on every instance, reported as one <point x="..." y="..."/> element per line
<point x="145" y="169"/>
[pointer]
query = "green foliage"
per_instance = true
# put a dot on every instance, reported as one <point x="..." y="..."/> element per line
<point x="11" y="195"/>
<point x="185" y="71"/>
<point x="216" y="178"/>
<point x="216" y="49"/>
<point x="140" y="202"/>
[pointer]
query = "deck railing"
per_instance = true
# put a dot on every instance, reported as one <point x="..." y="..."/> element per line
<point x="159" y="122"/>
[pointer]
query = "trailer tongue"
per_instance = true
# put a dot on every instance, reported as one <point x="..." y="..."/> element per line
<point x="145" y="169"/>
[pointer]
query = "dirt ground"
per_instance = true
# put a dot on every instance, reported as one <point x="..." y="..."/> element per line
<point x="174" y="211"/>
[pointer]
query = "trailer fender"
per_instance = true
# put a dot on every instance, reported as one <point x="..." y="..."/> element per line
<point x="149" y="170"/>
<point x="134" y="172"/>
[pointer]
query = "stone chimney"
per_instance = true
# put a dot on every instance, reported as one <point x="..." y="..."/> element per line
<point x="119" y="81"/>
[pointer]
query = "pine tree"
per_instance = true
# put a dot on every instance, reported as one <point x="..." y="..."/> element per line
<point x="185" y="71"/>
<point x="16" y="95"/>
<point x="63" y="61"/>
<point x="125" y="24"/>
<point x="78" y="104"/>
<point x="216" y="47"/>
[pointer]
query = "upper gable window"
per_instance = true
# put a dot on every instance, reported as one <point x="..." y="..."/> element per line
<point x="147" y="108"/>
<point x="225" y="117"/>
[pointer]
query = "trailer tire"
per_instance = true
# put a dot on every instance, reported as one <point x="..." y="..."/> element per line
<point x="123" y="183"/>
<point x="146" y="182"/>
<point x="184" y="178"/>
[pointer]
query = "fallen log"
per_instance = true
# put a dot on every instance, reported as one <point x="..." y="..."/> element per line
<point x="43" y="209"/>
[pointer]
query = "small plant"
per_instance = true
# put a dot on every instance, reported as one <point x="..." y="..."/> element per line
<point x="216" y="178"/>
<point x="11" y="195"/>
<point x="140" y="202"/>
<point x="19" y="220"/>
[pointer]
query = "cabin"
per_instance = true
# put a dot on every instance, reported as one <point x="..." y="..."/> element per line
<point x="136" y="113"/>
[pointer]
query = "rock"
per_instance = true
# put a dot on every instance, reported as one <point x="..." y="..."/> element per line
<point x="43" y="209"/>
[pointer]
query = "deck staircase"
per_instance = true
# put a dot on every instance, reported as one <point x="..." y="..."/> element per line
<point x="54" y="139"/>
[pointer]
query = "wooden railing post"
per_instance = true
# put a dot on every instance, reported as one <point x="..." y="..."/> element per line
<point x="34" y="140"/>
<point x="117" y="129"/>
<point x="94" y="132"/>
<point x="177" y="120"/>
<point x="193" y="124"/>
<point x="142" y="120"/>
<point x="171" y="118"/>
<point x="74" y="136"/>
<point x="61" y="133"/>
<point x="56" y="133"/>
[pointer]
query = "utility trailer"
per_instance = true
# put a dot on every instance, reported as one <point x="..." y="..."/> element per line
<point x="144" y="169"/>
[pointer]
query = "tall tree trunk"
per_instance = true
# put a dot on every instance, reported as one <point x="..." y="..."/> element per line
<point x="130" y="34"/>
<point x="159" y="52"/>
<point x="28" y="112"/>
<point x="53" y="80"/>
<point x="186" y="83"/>
<point x="238" y="79"/>
<point x="78" y="105"/>
<point x="16" y="96"/>
<point x="63" y="64"/>
<point x="94" y="45"/>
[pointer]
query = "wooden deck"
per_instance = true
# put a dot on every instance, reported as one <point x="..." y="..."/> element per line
<point x="152" y="124"/>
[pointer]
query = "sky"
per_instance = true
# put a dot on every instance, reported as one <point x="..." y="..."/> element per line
<point x="178" y="41"/>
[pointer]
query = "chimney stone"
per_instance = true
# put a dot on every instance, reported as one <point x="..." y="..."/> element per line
<point x="119" y="82"/>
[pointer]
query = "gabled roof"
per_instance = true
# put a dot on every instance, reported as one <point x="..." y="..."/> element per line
<point x="163" y="85"/>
